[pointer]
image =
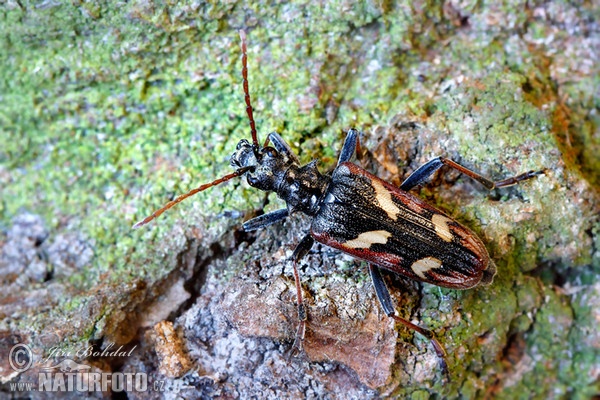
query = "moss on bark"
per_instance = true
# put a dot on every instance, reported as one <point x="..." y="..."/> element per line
<point x="107" y="110"/>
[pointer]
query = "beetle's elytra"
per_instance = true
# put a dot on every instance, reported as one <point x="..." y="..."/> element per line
<point x="362" y="215"/>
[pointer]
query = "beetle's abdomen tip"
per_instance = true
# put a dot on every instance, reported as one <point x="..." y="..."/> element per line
<point x="488" y="274"/>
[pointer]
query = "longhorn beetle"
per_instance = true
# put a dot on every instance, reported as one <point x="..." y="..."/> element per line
<point x="362" y="215"/>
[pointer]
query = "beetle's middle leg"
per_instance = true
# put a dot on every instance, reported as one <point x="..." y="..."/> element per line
<point x="350" y="146"/>
<point x="301" y="250"/>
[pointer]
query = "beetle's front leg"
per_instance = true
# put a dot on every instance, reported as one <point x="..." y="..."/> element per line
<point x="385" y="300"/>
<point x="265" y="220"/>
<point x="301" y="250"/>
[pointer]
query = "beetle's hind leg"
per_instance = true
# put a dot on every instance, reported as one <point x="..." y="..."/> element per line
<point x="429" y="168"/>
<point x="385" y="300"/>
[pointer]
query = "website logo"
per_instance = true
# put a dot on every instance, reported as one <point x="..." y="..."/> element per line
<point x="20" y="357"/>
<point x="60" y="372"/>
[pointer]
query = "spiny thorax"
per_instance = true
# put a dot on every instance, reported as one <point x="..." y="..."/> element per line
<point x="301" y="187"/>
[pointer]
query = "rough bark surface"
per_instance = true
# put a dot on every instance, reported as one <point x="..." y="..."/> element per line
<point x="108" y="110"/>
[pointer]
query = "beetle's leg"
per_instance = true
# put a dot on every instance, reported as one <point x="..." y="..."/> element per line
<point x="349" y="147"/>
<point x="427" y="169"/>
<point x="281" y="146"/>
<point x="265" y="220"/>
<point x="301" y="250"/>
<point x="385" y="300"/>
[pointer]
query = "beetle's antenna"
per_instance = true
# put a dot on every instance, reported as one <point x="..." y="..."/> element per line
<point x="246" y="91"/>
<point x="192" y="192"/>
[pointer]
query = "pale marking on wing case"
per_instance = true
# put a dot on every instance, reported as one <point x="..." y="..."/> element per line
<point x="384" y="198"/>
<point x="442" y="229"/>
<point x="366" y="239"/>
<point x="423" y="265"/>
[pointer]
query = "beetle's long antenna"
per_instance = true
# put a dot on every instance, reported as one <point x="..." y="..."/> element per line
<point x="192" y="192"/>
<point x="246" y="91"/>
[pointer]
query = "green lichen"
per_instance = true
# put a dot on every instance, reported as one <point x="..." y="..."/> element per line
<point x="107" y="111"/>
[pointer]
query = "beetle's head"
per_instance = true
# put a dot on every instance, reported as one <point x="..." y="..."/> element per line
<point x="269" y="165"/>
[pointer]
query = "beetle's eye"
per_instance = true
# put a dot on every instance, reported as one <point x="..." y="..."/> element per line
<point x="270" y="152"/>
<point x="252" y="180"/>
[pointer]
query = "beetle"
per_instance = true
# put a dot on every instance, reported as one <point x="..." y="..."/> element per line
<point x="362" y="215"/>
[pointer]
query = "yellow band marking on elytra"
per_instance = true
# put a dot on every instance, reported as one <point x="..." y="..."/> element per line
<point x="423" y="265"/>
<point x="384" y="198"/>
<point x="442" y="229"/>
<point x="366" y="239"/>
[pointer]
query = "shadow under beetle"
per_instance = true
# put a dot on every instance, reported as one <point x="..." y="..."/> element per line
<point x="362" y="215"/>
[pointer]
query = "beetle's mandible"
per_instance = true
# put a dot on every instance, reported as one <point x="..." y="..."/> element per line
<point x="362" y="215"/>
